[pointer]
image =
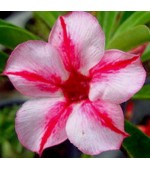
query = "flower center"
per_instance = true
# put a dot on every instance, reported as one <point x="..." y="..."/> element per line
<point x="76" y="88"/>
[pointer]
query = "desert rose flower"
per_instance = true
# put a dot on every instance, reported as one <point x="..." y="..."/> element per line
<point x="77" y="87"/>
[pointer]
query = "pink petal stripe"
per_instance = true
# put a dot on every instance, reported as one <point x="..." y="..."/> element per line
<point x="50" y="126"/>
<point x="107" y="121"/>
<point x="80" y="45"/>
<point x="69" y="49"/>
<point x="114" y="66"/>
<point x="36" y="70"/>
<point x="40" y="123"/>
<point x="95" y="127"/>
<point x="29" y="76"/>
<point x="117" y="77"/>
<point x="63" y="115"/>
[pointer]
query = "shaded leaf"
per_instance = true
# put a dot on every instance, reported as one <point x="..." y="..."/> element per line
<point x="3" y="59"/>
<point x="48" y="17"/>
<point x="125" y="16"/>
<point x="11" y="36"/>
<point x="137" y="145"/>
<point x="146" y="55"/>
<point x="131" y="38"/>
<point x="100" y="15"/>
<point x="144" y="93"/>
<point x="137" y="18"/>
<point x="109" y="23"/>
<point x="38" y="27"/>
<point x="2" y="22"/>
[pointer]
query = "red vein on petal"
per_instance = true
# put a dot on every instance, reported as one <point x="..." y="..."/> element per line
<point x="63" y="24"/>
<point x="47" y="133"/>
<point x="70" y="59"/>
<point x="61" y="114"/>
<point x="107" y="121"/>
<point x="113" y="66"/>
<point x="34" y="77"/>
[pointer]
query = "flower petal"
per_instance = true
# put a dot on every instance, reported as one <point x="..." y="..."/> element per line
<point x="80" y="40"/>
<point x="140" y="49"/>
<point x="96" y="127"/>
<point x="35" y="69"/>
<point x="117" y="77"/>
<point x="40" y="123"/>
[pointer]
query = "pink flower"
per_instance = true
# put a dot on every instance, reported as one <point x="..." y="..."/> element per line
<point x="77" y="87"/>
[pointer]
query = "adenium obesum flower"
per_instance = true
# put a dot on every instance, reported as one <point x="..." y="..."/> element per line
<point x="77" y="87"/>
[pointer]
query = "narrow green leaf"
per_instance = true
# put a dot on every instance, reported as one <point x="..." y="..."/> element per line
<point x="12" y="36"/>
<point x="3" y="59"/>
<point x="100" y="15"/>
<point x="109" y="23"/>
<point x="48" y="17"/>
<point x="137" y="145"/>
<point x="125" y="16"/>
<point x="146" y="55"/>
<point x="131" y="38"/>
<point x="144" y="93"/>
<point x="137" y="18"/>
<point x="2" y="22"/>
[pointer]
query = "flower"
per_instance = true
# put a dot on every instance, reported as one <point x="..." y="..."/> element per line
<point x="77" y="87"/>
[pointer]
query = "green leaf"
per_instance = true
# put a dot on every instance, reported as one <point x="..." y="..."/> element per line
<point x="100" y="15"/>
<point x="146" y="55"/>
<point x="2" y="22"/>
<point x="3" y="59"/>
<point x="144" y="93"/>
<point x="137" y="18"/>
<point x="109" y="23"/>
<point x="131" y="38"/>
<point x="86" y="156"/>
<point x="48" y="17"/>
<point x="125" y="16"/>
<point x="11" y="36"/>
<point x="137" y="145"/>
